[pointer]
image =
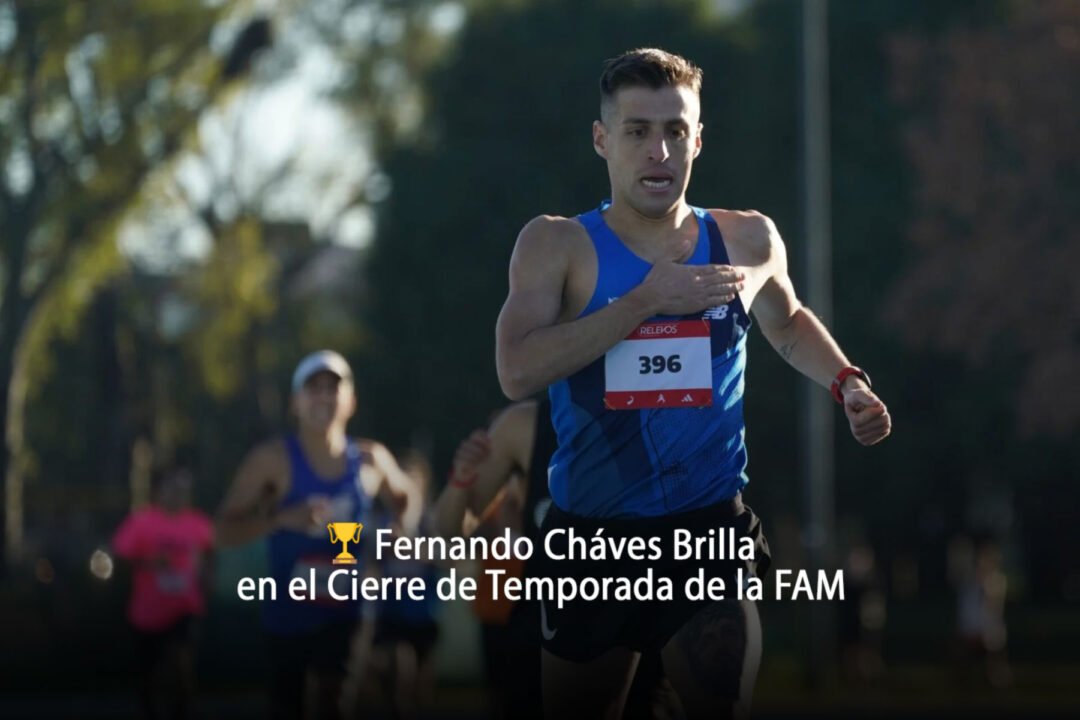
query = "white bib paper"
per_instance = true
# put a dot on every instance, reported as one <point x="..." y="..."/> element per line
<point x="660" y="365"/>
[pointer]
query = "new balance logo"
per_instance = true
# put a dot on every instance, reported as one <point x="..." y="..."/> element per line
<point x="720" y="312"/>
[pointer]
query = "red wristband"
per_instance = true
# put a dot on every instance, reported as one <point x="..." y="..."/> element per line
<point x="461" y="483"/>
<point x="843" y="375"/>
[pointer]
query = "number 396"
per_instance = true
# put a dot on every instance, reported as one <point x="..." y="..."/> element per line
<point x="659" y="363"/>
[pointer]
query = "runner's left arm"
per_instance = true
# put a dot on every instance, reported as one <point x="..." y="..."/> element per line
<point x="801" y="338"/>
<point x="452" y="507"/>
<point x="399" y="491"/>
<point x="483" y="464"/>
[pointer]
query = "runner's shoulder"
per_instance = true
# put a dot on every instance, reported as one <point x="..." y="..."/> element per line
<point x="270" y="457"/>
<point x="754" y="233"/>
<point x="515" y="426"/>
<point x="265" y="465"/>
<point x="551" y="236"/>
<point x="523" y="412"/>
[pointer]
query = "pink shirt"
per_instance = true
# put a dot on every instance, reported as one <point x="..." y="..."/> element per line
<point x="167" y="552"/>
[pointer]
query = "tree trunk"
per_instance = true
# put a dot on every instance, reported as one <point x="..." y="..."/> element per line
<point x="5" y="374"/>
<point x="13" y="316"/>
<point x="15" y="448"/>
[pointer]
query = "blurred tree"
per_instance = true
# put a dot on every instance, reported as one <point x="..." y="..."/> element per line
<point x="385" y="48"/>
<point x="237" y="261"/>
<point x="90" y="102"/>
<point x="913" y="474"/>
<point x="994" y="145"/>
<point x="249" y="320"/>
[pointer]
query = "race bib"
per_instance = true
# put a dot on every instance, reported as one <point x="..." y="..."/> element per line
<point x="660" y="365"/>
<point x="170" y="582"/>
<point x="339" y="506"/>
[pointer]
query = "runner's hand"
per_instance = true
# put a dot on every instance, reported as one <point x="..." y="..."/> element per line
<point x="674" y="289"/>
<point x="472" y="451"/>
<point x="867" y="415"/>
<point x="303" y="516"/>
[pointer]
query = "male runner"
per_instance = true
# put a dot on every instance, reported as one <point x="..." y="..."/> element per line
<point x="289" y="489"/>
<point x="634" y="315"/>
<point x="508" y="461"/>
<point x="506" y="465"/>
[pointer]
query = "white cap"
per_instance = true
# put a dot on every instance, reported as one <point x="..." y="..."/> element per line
<point x="320" y="361"/>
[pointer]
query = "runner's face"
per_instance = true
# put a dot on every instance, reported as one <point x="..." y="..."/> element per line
<point x="175" y="491"/>
<point x="650" y="139"/>
<point x="324" y="400"/>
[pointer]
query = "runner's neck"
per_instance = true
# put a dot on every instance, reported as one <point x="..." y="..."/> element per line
<point x="653" y="238"/>
<point x="328" y="445"/>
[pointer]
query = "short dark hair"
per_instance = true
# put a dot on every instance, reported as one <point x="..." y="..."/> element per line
<point x="648" y="67"/>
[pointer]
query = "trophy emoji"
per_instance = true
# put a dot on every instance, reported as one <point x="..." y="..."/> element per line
<point x="344" y="533"/>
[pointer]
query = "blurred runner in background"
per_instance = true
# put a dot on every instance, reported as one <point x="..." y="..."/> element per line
<point x="169" y="545"/>
<point x="406" y="630"/>
<point x="288" y="489"/>
<point x="498" y="481"/>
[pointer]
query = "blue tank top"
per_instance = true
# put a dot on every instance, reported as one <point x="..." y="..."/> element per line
<point x="650" y="462"/>
<point x="407" y="611"/>
<point x="293" y="554"/>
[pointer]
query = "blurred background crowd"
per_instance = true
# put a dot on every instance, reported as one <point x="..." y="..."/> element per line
<point x="195" y="194"/>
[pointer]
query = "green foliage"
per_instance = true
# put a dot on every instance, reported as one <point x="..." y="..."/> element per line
<point x="234" y="290"/>
<point x="96" y="99"/>
<point x="91" y="101"/>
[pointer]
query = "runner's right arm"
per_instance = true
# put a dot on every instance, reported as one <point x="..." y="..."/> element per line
<point x="533" y="349"/>
<point x="250" y="510"/>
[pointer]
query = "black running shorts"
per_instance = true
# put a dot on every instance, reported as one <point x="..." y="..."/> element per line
<point x="583" y="629"/>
